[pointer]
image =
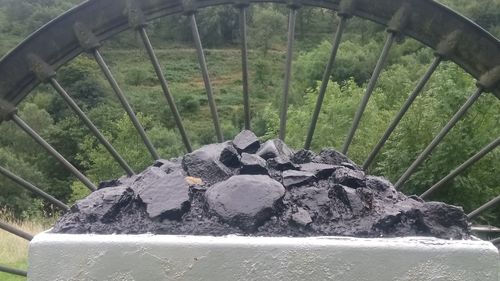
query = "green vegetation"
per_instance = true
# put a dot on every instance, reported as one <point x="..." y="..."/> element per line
<point x="48" y="114"/>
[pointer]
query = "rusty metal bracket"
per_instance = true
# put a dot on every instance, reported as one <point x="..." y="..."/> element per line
<point x="490" y="80"/>
<point x="400" y="19"/>
<point x="448" y="46"/>
<point x="294" y="4"/>
<point x="241" y="3"/>
<point x="346" y="8"/>
<point x="189" y="7"/>
<point x="136" y="17"/>
<point x="7" y="110"/>
<point x="88" y="40"/>
<point x="41" y="69"/>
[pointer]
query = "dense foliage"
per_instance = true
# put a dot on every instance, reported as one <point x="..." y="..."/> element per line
<point x="447" y="90"/>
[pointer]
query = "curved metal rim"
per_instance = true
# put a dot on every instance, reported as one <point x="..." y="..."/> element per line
<point x="56" y="44"/>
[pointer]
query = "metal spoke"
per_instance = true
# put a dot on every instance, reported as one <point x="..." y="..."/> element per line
<point x="402" y="112"/>
<point x="13" y="271"/>
<point x="462" y="167"/>
<point x="369" y="90"/>
<point x="206" y="77"/>
<point x="27" y="185"/>
<point x="125" y="103"/>
<point x="19" y="122"/>
<point x="427" y="151"/>
<point x="484" y="229"/>
<point x="164" y="86"/>
<point x="288" y="71"/>
<point x="244" y="65"/>
<point x="91" y="126"/>
<point x="492" y="203"/>
<point x="16" y="231"/>
<point x="326" y="78"/>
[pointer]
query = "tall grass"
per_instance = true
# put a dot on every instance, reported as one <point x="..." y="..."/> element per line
<point x="13" y="249"/>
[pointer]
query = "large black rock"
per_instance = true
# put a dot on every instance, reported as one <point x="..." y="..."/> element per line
<point x="246" y="201"/>
<point x="238" y="187"/>
<point x="246" y="141"/>
<point x="167" y="197"/>
<point x="205" y="163"/>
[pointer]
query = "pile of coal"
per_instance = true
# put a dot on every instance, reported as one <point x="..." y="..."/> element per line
<point x="263" y="189"/>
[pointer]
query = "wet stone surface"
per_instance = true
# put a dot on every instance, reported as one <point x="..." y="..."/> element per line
<point x="245" y="187"/>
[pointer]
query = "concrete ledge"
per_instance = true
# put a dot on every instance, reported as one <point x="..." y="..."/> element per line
<point x="55" y="257"/>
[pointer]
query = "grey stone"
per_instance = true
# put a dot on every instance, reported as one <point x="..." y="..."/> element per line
<point x="320" y="170"/>
<point x="204" y="163"/>
<point x="295" y="178"/>
<point x="246" y="141"/>
<point x="229" y="156"/>
<point x="275" y="148"/>
<point x="168" y="197"/>
<point x="301" y="217"/>
<point x="104" y="204"/>
<point x="253" y="164"/>
<point x="245" y="200"/>
<point x="348" y="177"/>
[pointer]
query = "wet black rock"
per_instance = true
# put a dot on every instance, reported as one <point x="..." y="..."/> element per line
<point x="282" y="164"/>
<point x="275" y="148"/>
<point x="301" y="217"/>
<point x="303" y="156"/>
<point x="332" y="157"/>
<point x="204" y="163"/>
<point x="229" y="156"/>
<point x="240" y="187"/>
<point x="295" y="178"/>
<point x="321" y="171"/>
<point x="245" y="200"/>
<point x="104" y="204"/>
<point x="253" y="164"/>
<point x="167" y="197"/>
<point x="348" y="177"/>
<point x="246" y="141"/>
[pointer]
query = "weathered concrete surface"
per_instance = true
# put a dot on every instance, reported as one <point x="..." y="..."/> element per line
<point x="63" y="257"/>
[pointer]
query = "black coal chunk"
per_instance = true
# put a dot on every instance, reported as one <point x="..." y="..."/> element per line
<point x="245" y="200"/>
<point x="253" y="164"/>
<point x="246" y="141"/>
<point x="295" y="178"/>
<point x="303" y="156"/>
<point x="348" y="177"/>
<point x="229" y="156"/>
<point x="275" y="148"/>
<point x="301" y="217"/>
<point x="167" y="197"/>
<point x="332" y="157"/>
<point x="321" y="171"/>
<point x="204" y="163"/>
<point x="105" y="203"/>
<point x="240" y="187"/>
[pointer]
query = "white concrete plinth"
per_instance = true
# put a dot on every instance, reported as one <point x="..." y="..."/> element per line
<point x="55" y="257"/>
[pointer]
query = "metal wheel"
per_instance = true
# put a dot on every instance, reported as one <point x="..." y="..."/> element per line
<point x="82" y="29"/>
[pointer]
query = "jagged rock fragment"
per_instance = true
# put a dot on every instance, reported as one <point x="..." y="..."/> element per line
<point x="253" y="164"/>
